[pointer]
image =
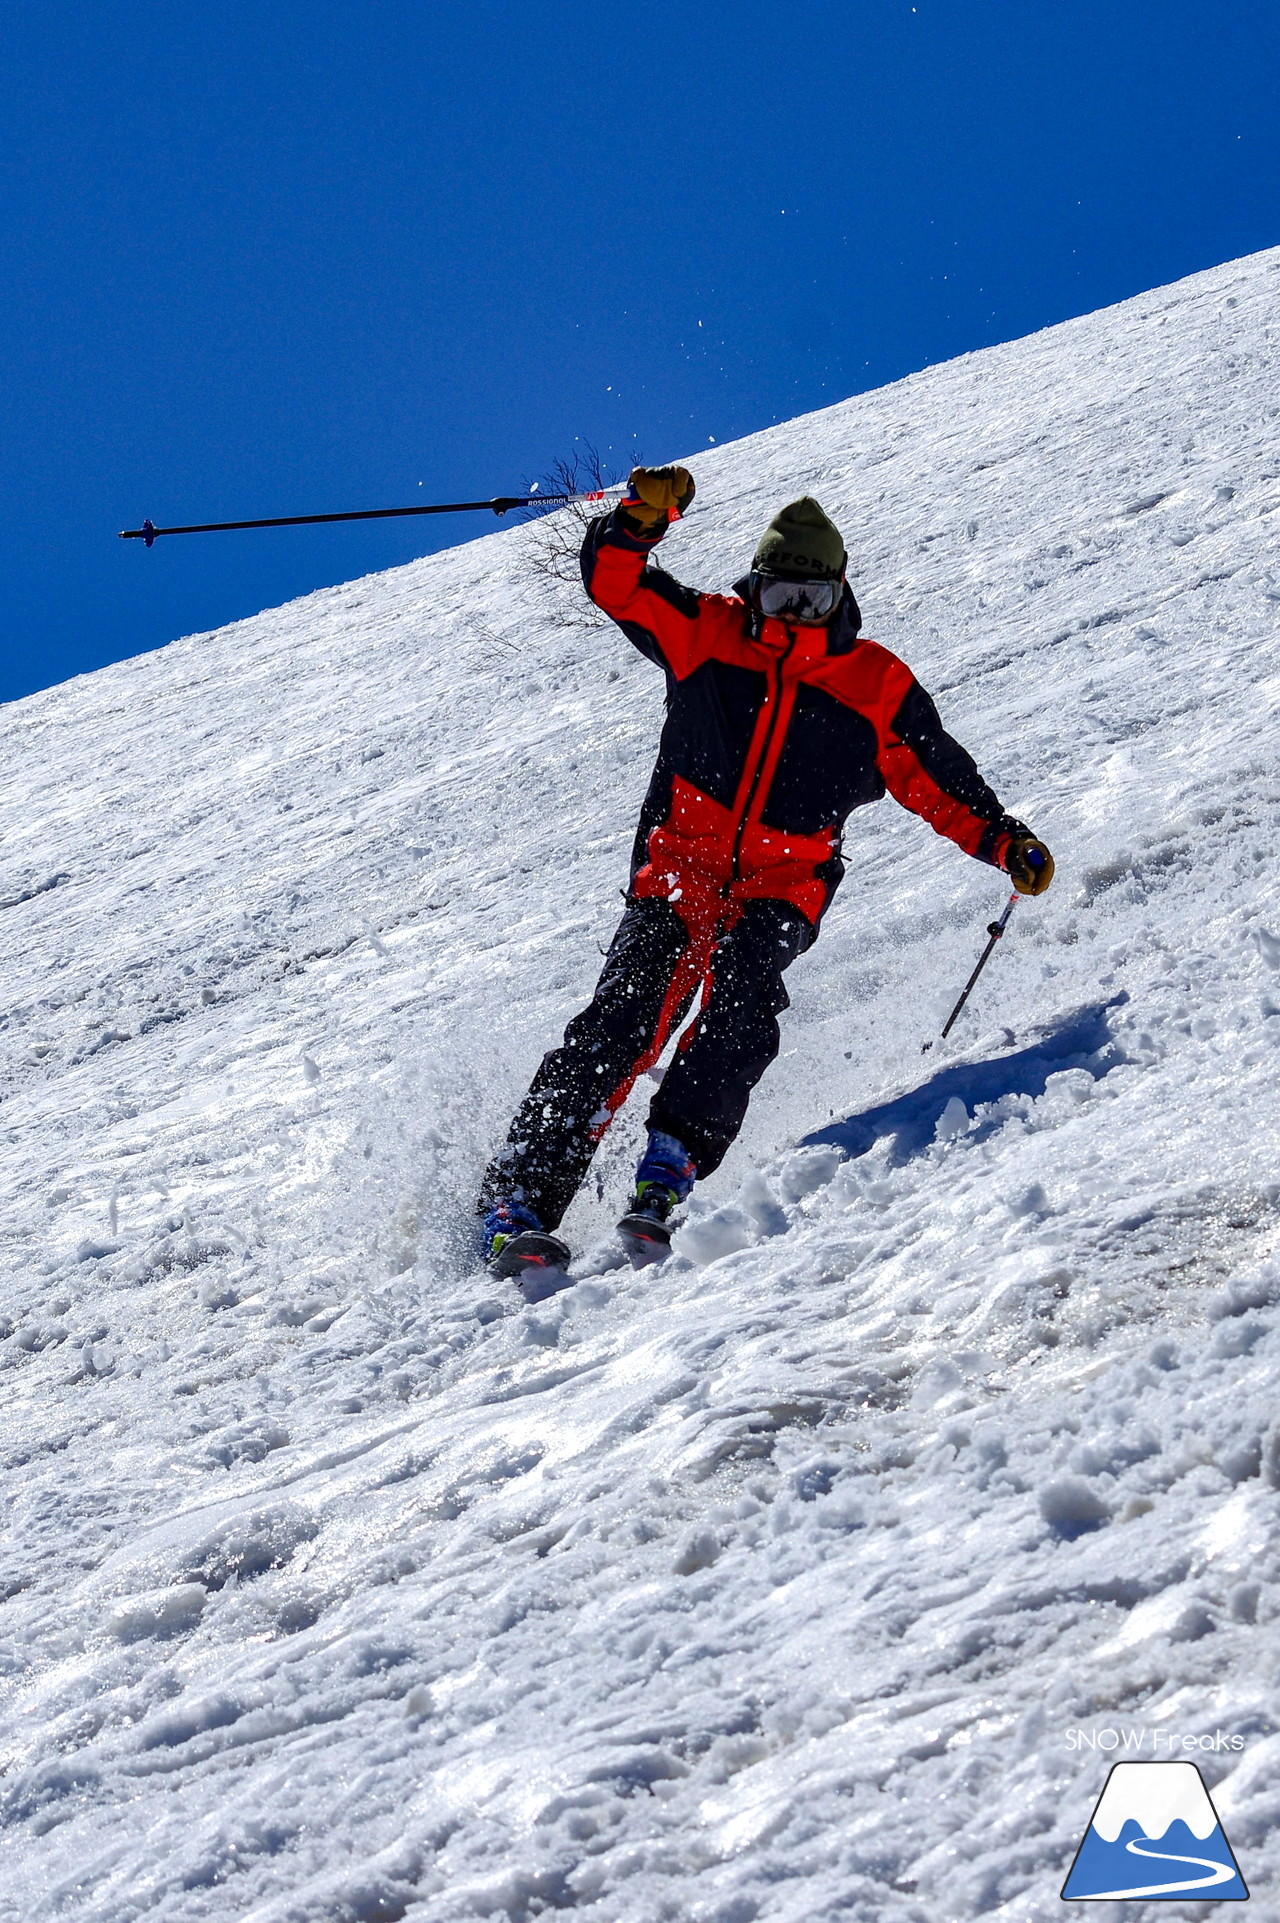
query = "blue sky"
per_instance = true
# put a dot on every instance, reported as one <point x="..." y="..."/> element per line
<point x="287" y="259"/>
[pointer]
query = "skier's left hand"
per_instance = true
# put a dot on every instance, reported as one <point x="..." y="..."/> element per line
<point x="654" y="493"/>
<point x="1028" y="864"/>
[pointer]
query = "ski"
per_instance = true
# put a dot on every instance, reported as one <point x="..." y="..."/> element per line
<point x="645" y="1239"/>
<point x="531" y="1249"/>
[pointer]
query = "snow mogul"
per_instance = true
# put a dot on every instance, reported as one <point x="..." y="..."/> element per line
<point x="780" y="721"/>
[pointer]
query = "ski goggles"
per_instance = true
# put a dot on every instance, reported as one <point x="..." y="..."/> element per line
<point x="808" y="603"/>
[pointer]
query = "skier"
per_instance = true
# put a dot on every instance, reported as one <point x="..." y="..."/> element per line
<point x="780" y="721"/>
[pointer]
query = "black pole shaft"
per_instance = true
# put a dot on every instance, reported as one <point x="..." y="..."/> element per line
<point x="995" y="930"/>
<point x="499" y="505"/>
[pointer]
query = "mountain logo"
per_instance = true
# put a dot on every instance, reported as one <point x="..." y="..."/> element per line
<point x="1154" y="1833"/>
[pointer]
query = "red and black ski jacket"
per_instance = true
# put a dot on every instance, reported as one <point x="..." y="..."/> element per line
<point x="774" y="734"/>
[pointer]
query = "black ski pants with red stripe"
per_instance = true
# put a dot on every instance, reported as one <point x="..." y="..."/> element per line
<point x="645" y="991"/>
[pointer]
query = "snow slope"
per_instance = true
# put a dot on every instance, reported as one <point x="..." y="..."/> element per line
<point x="779" y="1582"/>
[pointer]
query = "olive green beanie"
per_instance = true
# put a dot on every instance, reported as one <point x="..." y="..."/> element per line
<point x="800" y="540"/>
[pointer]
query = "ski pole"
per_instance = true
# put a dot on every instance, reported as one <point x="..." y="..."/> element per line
<point x="994" y="930"/>
<point x="501" y="504"/>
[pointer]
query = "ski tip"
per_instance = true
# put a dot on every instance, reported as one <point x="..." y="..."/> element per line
<point x="531" y="1250"/>
<point x="644" y="1239"/>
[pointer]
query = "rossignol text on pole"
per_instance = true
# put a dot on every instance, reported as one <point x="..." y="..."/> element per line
<point x="501" y="504"/>
<point x="994" y="930"/>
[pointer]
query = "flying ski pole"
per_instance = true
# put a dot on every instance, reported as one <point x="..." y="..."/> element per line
<point x="501" y="504"/>
<point x="995" y="930"/>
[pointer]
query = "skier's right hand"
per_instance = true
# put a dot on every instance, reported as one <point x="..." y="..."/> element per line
<point x="652" y="494"/>
<point x="1028" y="864"/>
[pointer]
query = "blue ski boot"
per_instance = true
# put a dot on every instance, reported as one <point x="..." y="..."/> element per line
<point x="663" y="1180"/>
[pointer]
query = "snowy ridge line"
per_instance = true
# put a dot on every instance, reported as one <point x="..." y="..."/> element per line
<point x="764" y="1586"/>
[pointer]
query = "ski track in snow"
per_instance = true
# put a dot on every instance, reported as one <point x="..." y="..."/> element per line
<point x="339" y="1583"/>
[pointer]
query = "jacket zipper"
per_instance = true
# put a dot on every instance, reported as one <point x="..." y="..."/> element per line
<point x="764" y="756"/>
